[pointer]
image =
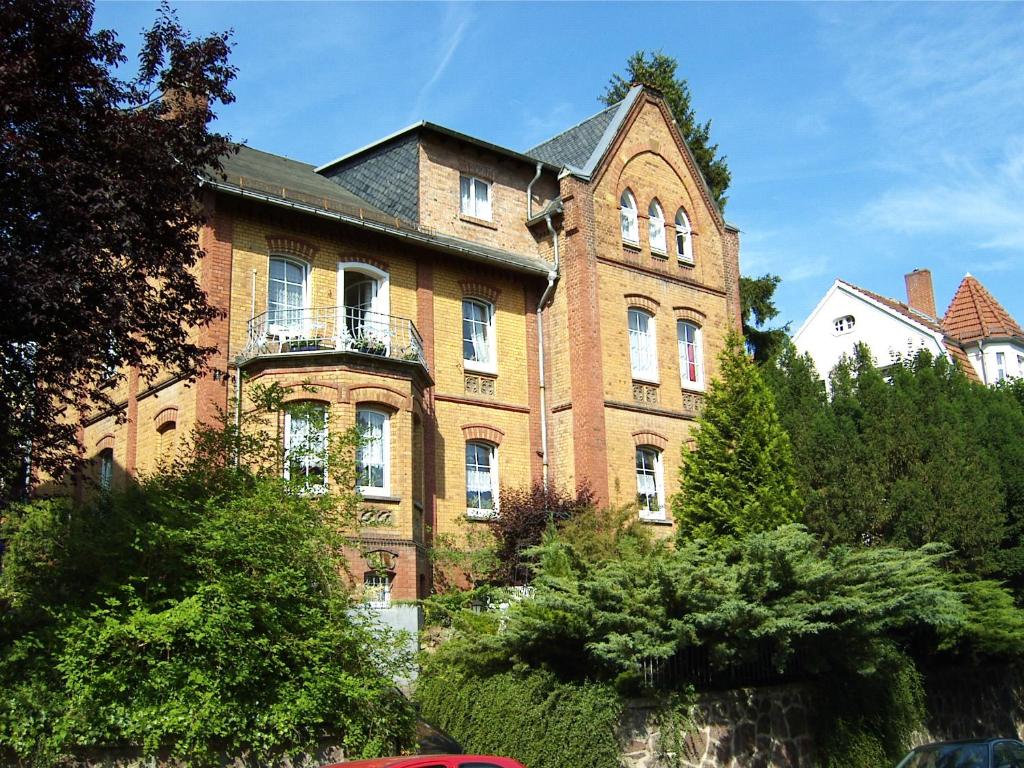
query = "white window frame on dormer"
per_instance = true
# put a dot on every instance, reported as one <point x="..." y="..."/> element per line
<point x="691" y="354"/>
<point x="471" y="343"/>
<point x="684" y="237"/>
<point x="470" y="203"/>
<point x="656" y="227"/>
<point x="373" y="447"/>
<point x="649" y="471"/>
<point x="628" y="218"/>
<point x="643" y="345"/>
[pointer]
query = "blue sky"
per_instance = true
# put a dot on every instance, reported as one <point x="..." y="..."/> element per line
<point x="864" y="139"/>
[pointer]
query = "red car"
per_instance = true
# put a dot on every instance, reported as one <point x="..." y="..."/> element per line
<point x="433" y="761"/>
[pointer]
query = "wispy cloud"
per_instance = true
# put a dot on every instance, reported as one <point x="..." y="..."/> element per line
<point x="453" y="29"/>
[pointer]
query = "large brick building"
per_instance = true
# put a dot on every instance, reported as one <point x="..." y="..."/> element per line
<point x="489" y="317"/>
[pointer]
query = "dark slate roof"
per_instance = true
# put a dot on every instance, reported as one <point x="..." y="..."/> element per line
<point x="575" y="146"/>
<point x="284" y="177"/>
<point x="281" y="181"/>
<point x="388" y="175"/>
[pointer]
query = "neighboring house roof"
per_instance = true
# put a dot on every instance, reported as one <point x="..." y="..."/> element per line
<point x="975" y="314"/>
<point x="291" y="184"/>
<point x="929" y="324"/>
<point x="581" y="147"/>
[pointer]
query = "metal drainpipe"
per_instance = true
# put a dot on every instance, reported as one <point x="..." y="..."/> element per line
<point x="238" y="416"/>
<point x="529" y="192"/>
<point x="984" y="368"/>
<point x="552" y="277"/>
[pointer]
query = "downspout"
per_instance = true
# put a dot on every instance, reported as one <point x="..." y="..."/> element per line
<point x="529" y="192"/>
<point x="984" y="368"/>
<point x="552" y="277"/>
<point x="238" y="416"/>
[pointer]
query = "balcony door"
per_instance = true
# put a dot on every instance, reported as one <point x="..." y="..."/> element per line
<point x="364" y="324"/>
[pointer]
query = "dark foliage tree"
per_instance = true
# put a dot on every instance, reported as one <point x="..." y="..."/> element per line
<point x="659" y="72"/>
<point x="757" y="303"/>
<point x="99" y="216"/>
<point x="526" y="513"/>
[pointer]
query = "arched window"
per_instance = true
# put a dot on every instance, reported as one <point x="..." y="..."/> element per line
<point x="305" y="445"/>
<point x="656" y="227"/>
<point x="373" y="456"/>
<point x="364" y="297"/>
<point x="643" y="355"/>
<point x="167" y="441"/>
<point x="691" y="355"/>
<point x="481" y="479"/>
<point x="106" y="468"/>
<point x="650" y="484"/>
<point x="286" y="296"/>
<point x="627" y="218"/>
<point x="479" y="351"/>
<point x="684" y="237"/>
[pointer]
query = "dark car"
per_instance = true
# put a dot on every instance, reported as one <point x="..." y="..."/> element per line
<point x="433" y="761"/>
<point x="970" y="753"/>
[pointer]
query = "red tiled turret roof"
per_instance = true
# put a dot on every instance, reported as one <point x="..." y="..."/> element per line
<point x="975" y="314"/>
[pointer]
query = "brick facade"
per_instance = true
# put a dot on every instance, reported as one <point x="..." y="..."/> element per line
<point x="596" y="416"/>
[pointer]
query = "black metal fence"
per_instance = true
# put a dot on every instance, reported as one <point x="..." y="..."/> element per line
<point x="693" y="666"/>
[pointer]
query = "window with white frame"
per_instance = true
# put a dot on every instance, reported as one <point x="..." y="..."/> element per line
<point x="376" y="590"/>
<point x="479" y="351"/>
<point x="628" y="218"/>
<point x="373" y="455"/>
<point x="286" y="295"/>
<point x="691" y="362"/>
<point x="106" y="459"/>
<point x="1000" y="366"/>
<point x="650" y="486"/>
<point x="475" y="197"/>
<point x="643" y="354"/>
<point x="305" y="445"/>
<point x="481" y="479"/>
<point x="844" y="324"/>
<point x="684" y="237"/>
<point x="656" y="227"/>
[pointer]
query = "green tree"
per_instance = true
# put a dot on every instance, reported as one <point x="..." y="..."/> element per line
<point x="659" y="72"/>
<point x="99" y="226"/>
<point x="757" y="307"/>
<point x="204" y="611"/>
<point x="740" y="478"/>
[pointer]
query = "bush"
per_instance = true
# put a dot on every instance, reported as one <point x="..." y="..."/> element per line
<point x="534" y="718"/>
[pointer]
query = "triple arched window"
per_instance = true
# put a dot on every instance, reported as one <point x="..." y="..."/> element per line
<point x="656" y="226"/>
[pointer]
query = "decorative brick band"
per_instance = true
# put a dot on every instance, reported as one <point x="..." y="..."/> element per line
<point x="640" y="301"/>
<point x="375" y="263"/>
<point x="482" y="432"/>
<point x="107" y="441"/>
<point x="379" y="395"/>
<point x="480" y="290"/>
<point x="650" y="438"/>
<point x="689" y="313"/>
<point x="313" y="390"/>
<point x="293" y="246"/>
<point x="165" y="417"/>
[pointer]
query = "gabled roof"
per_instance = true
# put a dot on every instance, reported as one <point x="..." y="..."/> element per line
<point x="426" y="125"/>
<point x="287" y="183"/>
<point x="581" y="147"/>
<point x="975" y="314"/>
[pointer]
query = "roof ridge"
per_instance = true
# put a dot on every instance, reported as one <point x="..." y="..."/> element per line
<point x="971" y="282"/>
<point x="574" y="126"/>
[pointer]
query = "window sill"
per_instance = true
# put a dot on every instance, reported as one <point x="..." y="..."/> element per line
<point x="696" y="389"/>
<point x="468" y="366"/>
<point x="628" y="245"/>
<point x="486" y="223"/>
<point x="659" y="255"/>
<point x="379" y="499"/>
<point x="647" y="520"/>
<point x="640" y="379"/>
<point x="687" y="263"/>
<point x="481" y="516"/>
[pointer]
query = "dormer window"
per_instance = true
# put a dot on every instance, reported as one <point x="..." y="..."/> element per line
<point x="475" y="197"/>
<point x="656" y="227"/>
<point x="844" y="324"/>
<point x="627" y="218"/>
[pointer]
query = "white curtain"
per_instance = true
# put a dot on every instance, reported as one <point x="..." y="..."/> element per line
<point x="466" y="188"/>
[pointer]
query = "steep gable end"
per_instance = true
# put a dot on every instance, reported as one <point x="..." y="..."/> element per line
<point x="975" y="314"/>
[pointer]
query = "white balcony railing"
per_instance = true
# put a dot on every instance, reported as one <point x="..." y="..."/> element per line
<point x="338" y="329"/>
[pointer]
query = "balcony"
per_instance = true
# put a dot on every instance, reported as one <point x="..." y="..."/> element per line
<point x="333" y="329"/>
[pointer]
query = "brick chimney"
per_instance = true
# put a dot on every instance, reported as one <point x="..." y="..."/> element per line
<point x="920" y="294"/>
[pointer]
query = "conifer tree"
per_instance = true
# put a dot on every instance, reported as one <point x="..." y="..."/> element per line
<point x="741" y="478"/>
